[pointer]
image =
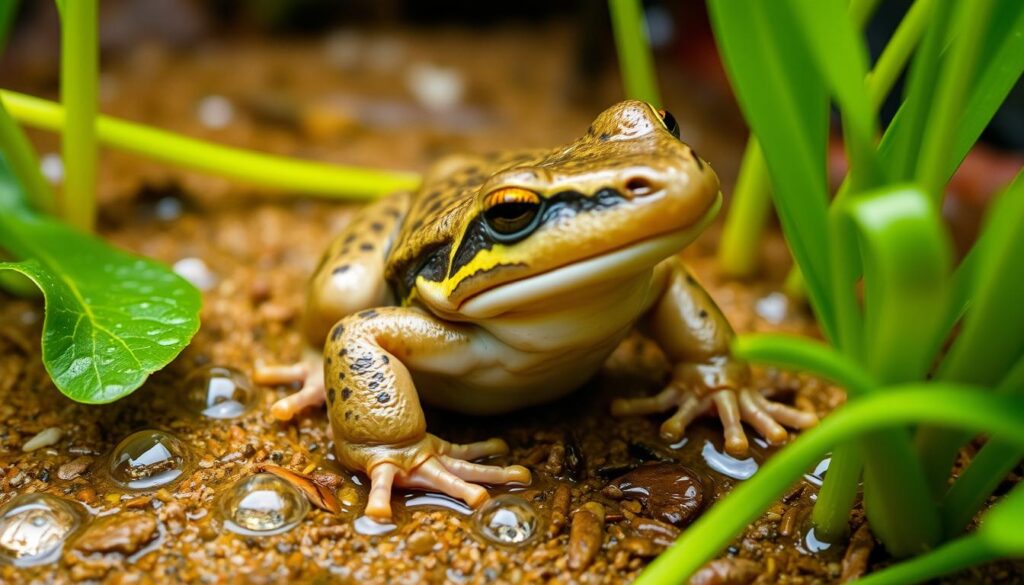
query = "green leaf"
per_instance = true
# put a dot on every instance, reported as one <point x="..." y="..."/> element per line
<point x="906" y="256"/>
<point x="112" y="318"/>
<point x="992" y="338"/>
<point x="842" y="60"/>
<point x="806" y="355"/>
<point x="786" y="105"/>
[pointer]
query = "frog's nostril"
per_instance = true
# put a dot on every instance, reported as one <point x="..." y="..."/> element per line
<point x="640" y="186"/>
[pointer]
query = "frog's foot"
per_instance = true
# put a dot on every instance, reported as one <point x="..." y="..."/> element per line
<point x="431" y="464"/>
<point x="733" y="408"/>
<point x="310" y="372"/>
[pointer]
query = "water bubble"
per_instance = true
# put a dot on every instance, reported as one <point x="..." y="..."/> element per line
<point x="219" y="392"/>
<point x="148" y="459"/>
<point x="728" y="465"/>
<point x="813" y="544"/>
<point x="506" y="519"/>
<point x="263" y="504"/>
<point x="817" y="477"/>
<point x="34" y="527"/>
<point x="369" y="527"/>
<point x="431" y="500"/>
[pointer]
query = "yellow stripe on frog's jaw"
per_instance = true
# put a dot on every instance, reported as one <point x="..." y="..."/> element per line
<point x="439" y="294"/>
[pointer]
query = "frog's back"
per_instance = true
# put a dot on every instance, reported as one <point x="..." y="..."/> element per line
<point x="437" y="212"/>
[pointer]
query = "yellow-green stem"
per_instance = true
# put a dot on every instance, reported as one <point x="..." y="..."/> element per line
<point x="79" y="61"/>
<point x="636" y="63"/>
<point x="748" y="212"/>
<point x="289" y="174"/>
<point x="20" y="156"/>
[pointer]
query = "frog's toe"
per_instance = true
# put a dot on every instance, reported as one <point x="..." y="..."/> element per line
<point x="488" y="448"/>
<point x="758" y="417"/>
<point x="378" y="504"/>
<point x="690" y="407"/>
<point x="791" y="417"/>
<point x="273" y="375"/>
<point x="485" y="473"/>
<point x="312" y="393"/>
<point x="433" y="475"/>
<point x="728" y="408"/>
<point x="646" y="405"/>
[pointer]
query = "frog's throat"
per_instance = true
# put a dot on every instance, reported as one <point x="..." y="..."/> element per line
<point x="624" y="262"/>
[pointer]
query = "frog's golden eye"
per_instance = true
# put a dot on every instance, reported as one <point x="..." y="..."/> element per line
<point x="511" y="213"/>
<point x="669" y="121"/>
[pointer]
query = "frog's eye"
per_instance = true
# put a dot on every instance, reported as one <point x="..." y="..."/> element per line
<point x="511" y="213"/>
<point x="670" y="122"/>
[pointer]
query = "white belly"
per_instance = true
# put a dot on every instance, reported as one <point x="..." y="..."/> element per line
<point x="538" y="353"/>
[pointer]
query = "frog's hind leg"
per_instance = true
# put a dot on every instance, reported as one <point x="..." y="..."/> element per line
<point x="349" y="279"/>
<point x="379" y="427"/>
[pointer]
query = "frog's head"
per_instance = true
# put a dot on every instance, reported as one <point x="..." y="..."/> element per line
<point x="612" y="204"/>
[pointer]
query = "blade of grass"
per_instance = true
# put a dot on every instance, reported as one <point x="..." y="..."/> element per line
<point x="806" y="355"/>
<point x="951" y="94"/>
<point x="748" y="212"/>
<point x="906" y="256"/>
<point x="78" y="72"/>
<point x="842" y="60"/>
<point x="917" y="104"/>
<point x="897" y="52"/>
<point x="861" y="10"/>
<point x="999" y="535"/>
<point x="636" y="63"/>
<point x="313" y="178"/>
<point x="935" y="403"/>
<point x="991" y="339"/>
<point x="786" y="105"/>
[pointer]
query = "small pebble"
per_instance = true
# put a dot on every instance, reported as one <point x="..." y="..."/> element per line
<point x="436" y="88"/>
<point x="559" y="510"/>
<point x="215" y="111"/>
<point x="123" y="533"/>
<point x="196" y="272"/>
<point x="420" y="542"/>
<point x="45" y="438"/>
<point x="74" y="468"/>
<point x="586" y="535"/>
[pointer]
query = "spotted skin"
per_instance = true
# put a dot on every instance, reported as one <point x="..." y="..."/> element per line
<point x="444" y="296"/>
<point x="350" y="276"/>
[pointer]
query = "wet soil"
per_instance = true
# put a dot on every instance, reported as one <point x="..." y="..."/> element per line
<point x="337" y="99"/>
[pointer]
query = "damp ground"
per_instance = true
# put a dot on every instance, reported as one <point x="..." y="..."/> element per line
<point x="188" y="479"/>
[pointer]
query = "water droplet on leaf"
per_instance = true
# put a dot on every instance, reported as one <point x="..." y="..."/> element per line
<point x="263" y="504"/>
<point x="507" y="520"/>
<point x="148" y="460"/>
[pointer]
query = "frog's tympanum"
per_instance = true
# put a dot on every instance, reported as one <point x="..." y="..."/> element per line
<point x="505" y="281"/>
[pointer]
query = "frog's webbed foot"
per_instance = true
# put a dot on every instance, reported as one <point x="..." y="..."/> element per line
<point x="310" y="372"/>
<point x="720" y="386"/>
<point x="432" y="464"/>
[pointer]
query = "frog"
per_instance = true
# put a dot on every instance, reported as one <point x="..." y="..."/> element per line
<point x="505" y="281"/>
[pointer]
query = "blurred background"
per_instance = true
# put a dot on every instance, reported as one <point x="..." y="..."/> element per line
<point x="397" y="84"/>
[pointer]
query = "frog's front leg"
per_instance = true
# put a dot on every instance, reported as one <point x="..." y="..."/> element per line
<point x="694" y="334"/>
<point x="379" y="427"/>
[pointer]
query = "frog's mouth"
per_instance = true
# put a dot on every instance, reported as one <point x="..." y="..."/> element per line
<point x="618" y="263"/>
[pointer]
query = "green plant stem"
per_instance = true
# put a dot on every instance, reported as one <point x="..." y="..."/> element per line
<point x="748" y="212"/>
<point x="78" y="71"/>
<point x="861" y="10"/>
<point x="987" y="470"/>
<point x="319" y="179"/>
<point x="897" y="52"/>
<point x="831" y="512"/>
<point x="950" y="405"/>
<point x="953" y="88"/>
<point x="955" y="556"/>
<point x="19" y="154"/>
<point x="8" y="11"/>
<point x="636" y="63"/>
